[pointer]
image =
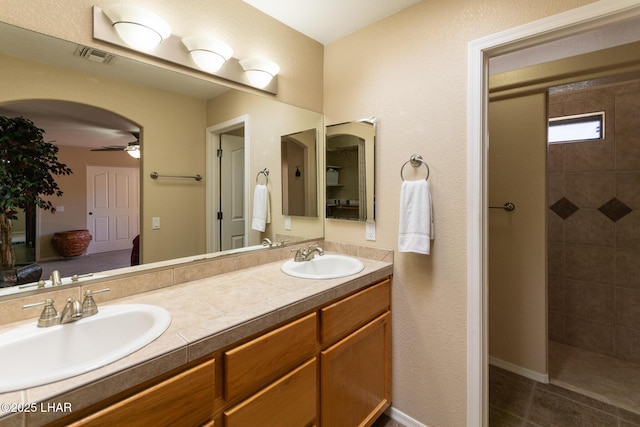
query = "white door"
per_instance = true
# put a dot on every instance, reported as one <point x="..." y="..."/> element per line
<point x="113" y="207"/>
<point x="232" y="192"/>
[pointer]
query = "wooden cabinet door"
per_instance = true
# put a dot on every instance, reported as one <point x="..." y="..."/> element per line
<point x="291" y="401"/>
<point x="355" y="376"/>
<point x="185" y="400"/>
<point x="254" y="364"/>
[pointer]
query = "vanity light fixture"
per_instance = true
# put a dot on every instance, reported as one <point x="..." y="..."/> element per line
<point x="208" y="53"/>
<point x="259" y="71"/>
<point x="139" y="28"/>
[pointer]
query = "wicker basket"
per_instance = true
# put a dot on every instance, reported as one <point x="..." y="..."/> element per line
<point x="71" y="243"/>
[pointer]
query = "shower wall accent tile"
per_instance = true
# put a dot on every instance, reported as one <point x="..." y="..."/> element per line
<point x="615" y="210"/>
<point x="564" y="208"/>
<point x="594" y="253"/>
<point x="590" y="227"/>
<point x="589" y="190"/>
<point x="628" y="269"/>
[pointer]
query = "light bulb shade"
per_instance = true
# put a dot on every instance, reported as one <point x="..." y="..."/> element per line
<point x="208" y="53"/>
<point x="137" y="27"/>
<point x="259" y="71"/>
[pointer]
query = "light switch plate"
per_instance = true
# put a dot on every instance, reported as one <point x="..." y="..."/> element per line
<point x="287" y="222"/>
<point x="155" y="223"/>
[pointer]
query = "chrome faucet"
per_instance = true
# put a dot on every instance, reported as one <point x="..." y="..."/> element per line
<point x="268" y="243"/>
<point x="72" y="311"/>
<point x="307" y="254"/>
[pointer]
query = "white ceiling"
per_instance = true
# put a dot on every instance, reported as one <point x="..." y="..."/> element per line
<point x="328" y="20"/>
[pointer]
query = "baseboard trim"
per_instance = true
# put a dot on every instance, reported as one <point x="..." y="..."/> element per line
<point x="527" y="373"/>
<point x="403" y="418"/>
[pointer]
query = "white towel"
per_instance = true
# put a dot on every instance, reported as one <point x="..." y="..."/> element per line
<point x="416" y="217"/>
<point x="261" y="208"/>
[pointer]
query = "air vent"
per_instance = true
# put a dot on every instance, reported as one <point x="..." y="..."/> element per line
<point x="94" y="55"/>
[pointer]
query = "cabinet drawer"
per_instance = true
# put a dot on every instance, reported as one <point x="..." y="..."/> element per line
<point x="257" y="362"/>
<point x="345" y="316"/>
<point x="186" y="399"/>
<point x="289" y="402"/>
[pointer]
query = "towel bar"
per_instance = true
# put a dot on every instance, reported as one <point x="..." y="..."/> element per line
<point x="507" y="207"/>
<point x="156" y="175"/>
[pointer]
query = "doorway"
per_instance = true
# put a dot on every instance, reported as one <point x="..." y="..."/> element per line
<point x="227" y="185"/>
<point x="593" y="16"/>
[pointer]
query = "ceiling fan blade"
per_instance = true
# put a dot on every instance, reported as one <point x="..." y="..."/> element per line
<point x="110" y="148"/>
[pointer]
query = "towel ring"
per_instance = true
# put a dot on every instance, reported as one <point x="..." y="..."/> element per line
<point x="264" y="172"/>
<point x="416" y="161"/>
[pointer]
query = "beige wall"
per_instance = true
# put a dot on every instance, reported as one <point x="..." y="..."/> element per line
<point x="410" y="71"/>
<point x="517" y="239"/>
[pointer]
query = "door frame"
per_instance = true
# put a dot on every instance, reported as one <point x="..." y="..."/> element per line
<point x="572" y="22"/>
<point x="213" y="180"/>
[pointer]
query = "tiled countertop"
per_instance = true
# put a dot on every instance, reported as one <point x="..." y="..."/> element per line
<point x="207" y="315"/>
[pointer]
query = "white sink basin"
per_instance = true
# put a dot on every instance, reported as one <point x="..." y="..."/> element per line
<point x="327" y="266"/>
<point x="32" y="356"/>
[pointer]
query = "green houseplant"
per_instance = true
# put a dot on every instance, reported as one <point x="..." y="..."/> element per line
<point x="27" y="168"/>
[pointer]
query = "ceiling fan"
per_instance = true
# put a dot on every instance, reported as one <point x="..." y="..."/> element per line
<point x="132" y="148"/>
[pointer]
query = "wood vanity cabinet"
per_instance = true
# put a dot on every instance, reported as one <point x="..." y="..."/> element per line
<point x="355" y="372"/>
<point x="344" y="378"/>
<point x="185" y="399"/>
<point x="331" y="367"/>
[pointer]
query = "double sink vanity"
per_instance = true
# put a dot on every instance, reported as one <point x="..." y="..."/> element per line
<point x="241" y="340"/>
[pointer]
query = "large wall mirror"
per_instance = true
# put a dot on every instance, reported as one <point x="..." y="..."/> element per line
<point x="94" y="106"/>
<point x="350" y="171"/>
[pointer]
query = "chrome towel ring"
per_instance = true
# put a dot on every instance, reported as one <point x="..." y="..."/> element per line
<point x="264" y="172"/>
<point x="415" y="160"/>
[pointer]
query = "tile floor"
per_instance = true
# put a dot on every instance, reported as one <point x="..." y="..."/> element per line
<point x="518" y="401"/>
<point x="602" y="377"/>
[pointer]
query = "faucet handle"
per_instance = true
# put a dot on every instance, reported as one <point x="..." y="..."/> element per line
<point x="49" y="316"/>
<point x="89" y="306"/>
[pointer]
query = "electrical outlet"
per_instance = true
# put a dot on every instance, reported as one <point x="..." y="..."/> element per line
<point x="287" y="222"/>
<point x="371" y="230"/>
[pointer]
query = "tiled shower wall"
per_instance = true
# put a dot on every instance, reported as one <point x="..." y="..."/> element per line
<point x="594" y="226"/>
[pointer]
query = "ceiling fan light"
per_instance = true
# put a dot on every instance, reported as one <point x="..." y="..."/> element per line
<point x="208" y="53"/>
<point x="260" y="71"/>
<point x="133" y="151"/>
<point x="139" y="28"/>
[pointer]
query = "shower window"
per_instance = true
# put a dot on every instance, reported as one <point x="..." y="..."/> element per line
<point x="582" y="127"/>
